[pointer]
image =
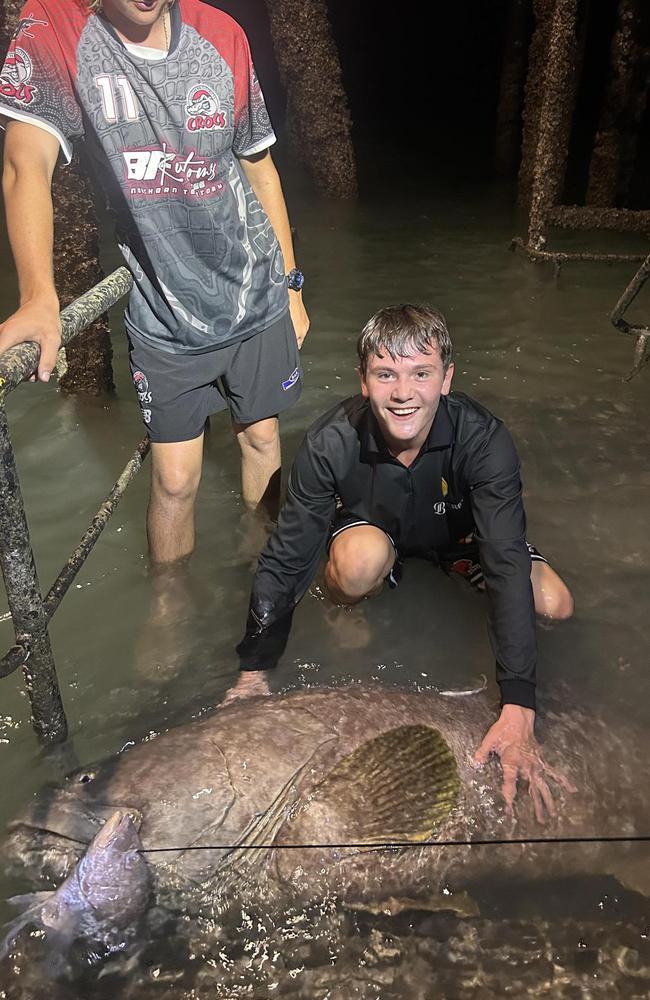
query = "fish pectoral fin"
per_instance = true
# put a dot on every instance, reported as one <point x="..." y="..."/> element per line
<point x="262" y="829"/>
<point x="399" y="786"/>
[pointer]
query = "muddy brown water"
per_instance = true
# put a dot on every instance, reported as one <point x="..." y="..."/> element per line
<point x="540" y="353"/>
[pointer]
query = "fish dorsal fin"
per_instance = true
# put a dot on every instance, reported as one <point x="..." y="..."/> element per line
<point x="398" y="786"/>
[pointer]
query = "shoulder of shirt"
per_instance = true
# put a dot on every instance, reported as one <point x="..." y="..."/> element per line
<point x="76" y="14"/>
<point x="200" y="14"/>
<point x="341" y="420"/>
<point x="470" y="417"/>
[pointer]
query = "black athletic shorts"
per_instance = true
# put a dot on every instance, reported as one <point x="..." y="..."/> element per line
<point x="462" y="557"/>
<point x="254" y="379"/>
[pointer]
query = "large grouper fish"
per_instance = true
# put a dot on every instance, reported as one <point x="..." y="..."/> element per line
<point x="273" y="789"/>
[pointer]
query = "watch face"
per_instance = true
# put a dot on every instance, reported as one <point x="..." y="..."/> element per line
<point x="295" y="279"/>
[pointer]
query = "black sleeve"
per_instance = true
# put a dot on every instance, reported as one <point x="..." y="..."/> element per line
<point x="289" y="560"/>
<point x="500" y="520"/>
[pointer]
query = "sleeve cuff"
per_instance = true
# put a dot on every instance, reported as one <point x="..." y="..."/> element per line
<point x="257" y="147"/>
<point x="262" y="646"/>
<point x="66" y="147"/>
<point x="517" y="693"/>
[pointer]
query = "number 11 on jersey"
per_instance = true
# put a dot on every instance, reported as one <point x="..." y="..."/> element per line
<point x="110" y="86"/>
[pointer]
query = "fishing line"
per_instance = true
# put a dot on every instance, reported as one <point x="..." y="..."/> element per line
<point x="389" y="845"/>
<point x="398" y="845"/>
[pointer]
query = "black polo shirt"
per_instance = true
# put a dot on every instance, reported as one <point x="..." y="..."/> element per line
<point x="465" y="478"/>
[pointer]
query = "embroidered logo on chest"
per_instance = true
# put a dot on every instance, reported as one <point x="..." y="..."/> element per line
<point x="441" y="507"/>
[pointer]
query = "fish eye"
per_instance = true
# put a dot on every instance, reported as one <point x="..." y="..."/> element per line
<point x="84" y="778"/>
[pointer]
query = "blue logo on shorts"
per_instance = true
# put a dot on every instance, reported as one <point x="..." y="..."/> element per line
<point x="293" y="378"/>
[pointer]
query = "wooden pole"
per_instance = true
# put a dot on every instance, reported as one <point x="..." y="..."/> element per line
<point x="534" y="91"/>
<point x="318" y="116"/>
<point x="554" y="121"/>
<point x="617" y="114"/>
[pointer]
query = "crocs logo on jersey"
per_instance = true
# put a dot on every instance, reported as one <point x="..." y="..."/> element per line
<point x="203" y="110"/>
<point x="293" y="378"/>
<point x="14" y="81"/>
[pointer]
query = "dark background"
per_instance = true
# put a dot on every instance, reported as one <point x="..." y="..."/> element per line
<point x="423" y="84"/>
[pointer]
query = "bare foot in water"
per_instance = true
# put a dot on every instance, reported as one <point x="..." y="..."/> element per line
<point x="162" y="640"/>
<point x="251" y="684"/>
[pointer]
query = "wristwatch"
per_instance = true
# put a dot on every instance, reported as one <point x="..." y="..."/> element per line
<point x="295" y="279"/>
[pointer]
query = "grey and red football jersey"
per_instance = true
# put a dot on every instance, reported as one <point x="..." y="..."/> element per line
<point x="165" y="137"/>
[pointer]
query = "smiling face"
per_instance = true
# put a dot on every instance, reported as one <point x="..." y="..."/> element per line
<point x="404" y="394"/>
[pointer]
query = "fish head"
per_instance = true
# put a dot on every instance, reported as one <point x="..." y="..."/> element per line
<point x="113" y="877"/>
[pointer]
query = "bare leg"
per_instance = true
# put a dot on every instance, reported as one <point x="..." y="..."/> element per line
<point x="162" y="641"/>
<point x="260" y="464"/>
<point x="359" y="561"/>
<point x="175" y="477"/>
<point x="553" y="598"/>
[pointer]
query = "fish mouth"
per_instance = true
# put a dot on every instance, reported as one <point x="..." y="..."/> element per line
<point x="62" y="813"/>
<point x="122" y="825"/>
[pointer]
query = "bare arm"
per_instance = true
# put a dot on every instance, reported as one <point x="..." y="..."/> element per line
<point x="30" y="156"/>
<point x="265" y="182"/>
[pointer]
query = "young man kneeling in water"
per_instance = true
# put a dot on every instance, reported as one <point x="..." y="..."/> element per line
<point x="408" y="468"/>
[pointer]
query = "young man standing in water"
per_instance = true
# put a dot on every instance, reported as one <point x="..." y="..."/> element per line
<point x="408" y="468"/>
<point x="166" y="98"/>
